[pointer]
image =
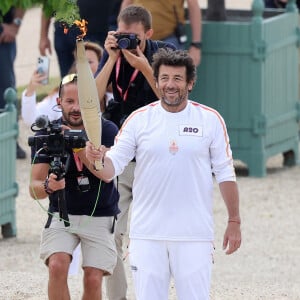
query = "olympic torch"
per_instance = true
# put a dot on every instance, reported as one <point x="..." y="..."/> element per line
<point x="88" y="98"/>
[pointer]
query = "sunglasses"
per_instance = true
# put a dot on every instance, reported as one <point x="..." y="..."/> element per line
<point x="67" y="79"/>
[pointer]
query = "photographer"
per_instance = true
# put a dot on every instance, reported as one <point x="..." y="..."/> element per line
<point x="169" y="23"/>
<point x="90" y="213"/>
<point x="30" y="109"/>
<point x="130" y="74"/>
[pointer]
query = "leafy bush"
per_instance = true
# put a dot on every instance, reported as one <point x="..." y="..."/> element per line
<point x="64" y="10"/>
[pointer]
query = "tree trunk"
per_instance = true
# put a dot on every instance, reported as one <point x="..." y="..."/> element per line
<point x="216" y="10"/>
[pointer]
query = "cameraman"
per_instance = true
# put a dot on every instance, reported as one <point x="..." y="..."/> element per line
<point x="130" y="75"/>
<point x="91" y="213"/>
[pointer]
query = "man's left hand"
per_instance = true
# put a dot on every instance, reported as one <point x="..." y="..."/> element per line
<point x="195" y="54"/>
<point x="232" y="237"/>
<point x="9" y="33"/>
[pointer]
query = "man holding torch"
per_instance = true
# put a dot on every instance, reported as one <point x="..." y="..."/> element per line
<point x="180" y="146"/>
<point x="126" y="68"/>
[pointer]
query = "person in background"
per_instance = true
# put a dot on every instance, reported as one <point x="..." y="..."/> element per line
<point x="98" y="15"/>
<point x="129" y="74"/>
<point x="91" y="204"/>
<point x="169" y="23"/>
<point x="278" y="3"/>
<point x="48" y="106"/>
<point x="178" y="145"/>
<point x="31" y="109"/>
<point x="9" y="29"/>
<point x="114" y="15"/>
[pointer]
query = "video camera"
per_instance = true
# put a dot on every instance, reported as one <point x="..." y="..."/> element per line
<point x="55" y="141"/>
<point x="127" y="40"/>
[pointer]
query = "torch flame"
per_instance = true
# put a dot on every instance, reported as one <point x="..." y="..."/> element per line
<point x="82" y="26"/>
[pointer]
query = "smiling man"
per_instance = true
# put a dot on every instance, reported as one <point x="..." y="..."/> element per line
<point x="128" y="71"/>
<point x="178" y="145"/>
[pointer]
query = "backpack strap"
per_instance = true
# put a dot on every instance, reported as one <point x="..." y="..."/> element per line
<point x="50" y="215"/>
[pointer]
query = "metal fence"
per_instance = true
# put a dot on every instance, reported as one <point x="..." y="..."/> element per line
<point x="8" y="185"/>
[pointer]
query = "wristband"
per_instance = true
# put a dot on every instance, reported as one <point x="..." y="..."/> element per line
<point x="46" y="187"/>
<point x="197" y="45"/>
<point x="234" y="221"/>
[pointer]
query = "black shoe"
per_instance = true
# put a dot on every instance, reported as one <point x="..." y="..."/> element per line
<point x="21" y="154"/>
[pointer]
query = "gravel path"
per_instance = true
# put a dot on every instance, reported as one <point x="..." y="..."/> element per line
<point x="265" y="267"/>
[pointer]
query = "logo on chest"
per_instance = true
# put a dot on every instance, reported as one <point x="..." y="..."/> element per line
<point x="190" y="130"/>
<point x="173" y="147"/>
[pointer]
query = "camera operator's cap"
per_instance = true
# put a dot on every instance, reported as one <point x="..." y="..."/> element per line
<point x="67" y="79"/>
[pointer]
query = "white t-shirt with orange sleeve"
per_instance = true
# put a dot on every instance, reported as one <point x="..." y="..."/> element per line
<point x="176" y="156"/>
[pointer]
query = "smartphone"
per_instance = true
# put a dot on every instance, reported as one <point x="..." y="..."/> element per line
<point x="43" y="67"/>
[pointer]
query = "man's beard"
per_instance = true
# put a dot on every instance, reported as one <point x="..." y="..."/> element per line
<point x="70" y="122"/>
<point x="181" y="98"/>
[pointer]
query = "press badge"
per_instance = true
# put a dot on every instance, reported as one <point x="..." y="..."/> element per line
<point x="83" y="183"/>
<point x="191" y="130"/>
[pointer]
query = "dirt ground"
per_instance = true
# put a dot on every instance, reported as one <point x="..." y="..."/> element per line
<point x="265" y="267"/>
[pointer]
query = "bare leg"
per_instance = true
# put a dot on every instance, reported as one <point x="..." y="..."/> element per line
<point x="92" y="282"/>
<point x="58" y="265"/>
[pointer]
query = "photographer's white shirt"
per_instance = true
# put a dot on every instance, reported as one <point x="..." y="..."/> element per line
<point x="30" y="109"/>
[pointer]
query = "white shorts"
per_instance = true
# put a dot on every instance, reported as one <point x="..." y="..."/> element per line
<point x="154" y="262"/>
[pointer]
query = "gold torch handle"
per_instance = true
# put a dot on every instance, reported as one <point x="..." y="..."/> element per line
<point x="93" y="130"/>
<point x="88" y="98"/>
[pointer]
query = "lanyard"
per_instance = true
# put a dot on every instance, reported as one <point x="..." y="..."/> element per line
<point x="78" y="162"/>
<point x="132" y="78"/>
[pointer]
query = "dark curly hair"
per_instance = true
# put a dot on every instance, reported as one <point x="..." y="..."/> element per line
<point x="177" y="58"/>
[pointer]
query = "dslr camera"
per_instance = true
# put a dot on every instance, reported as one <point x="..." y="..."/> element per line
<point x="127" y="40"/>
<point x="55" y="142"/>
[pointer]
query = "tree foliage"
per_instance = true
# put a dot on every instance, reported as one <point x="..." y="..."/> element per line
<point x="65" y="10"/>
